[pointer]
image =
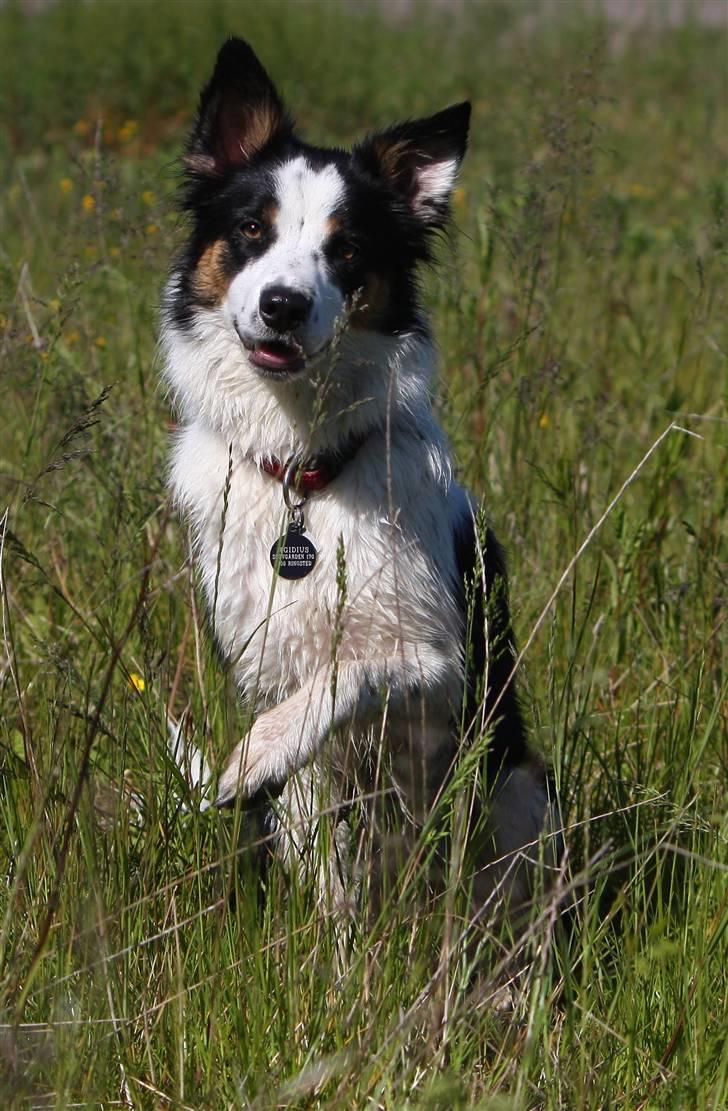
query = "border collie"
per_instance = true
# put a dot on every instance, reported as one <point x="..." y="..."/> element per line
<point x="349" y="579"/>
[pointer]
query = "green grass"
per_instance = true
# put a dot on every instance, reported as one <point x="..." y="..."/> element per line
<point x="581" y="310"/>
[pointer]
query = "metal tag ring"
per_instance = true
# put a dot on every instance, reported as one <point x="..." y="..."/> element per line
<point x="288" y="476"/>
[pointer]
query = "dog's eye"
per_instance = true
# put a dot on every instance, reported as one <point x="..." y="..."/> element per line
<point x="251" y="229"/>
<point x="346" y="251"/>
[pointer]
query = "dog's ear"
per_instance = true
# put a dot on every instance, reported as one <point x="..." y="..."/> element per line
<point x="420" y="159"/>
<point x="240" y="112"/>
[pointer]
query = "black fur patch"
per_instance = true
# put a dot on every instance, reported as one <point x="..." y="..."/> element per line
<point x="484" y="601"/>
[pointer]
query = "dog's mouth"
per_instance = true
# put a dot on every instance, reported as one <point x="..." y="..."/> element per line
<point x="279" y="358"/>
<point x="275" y="356"/>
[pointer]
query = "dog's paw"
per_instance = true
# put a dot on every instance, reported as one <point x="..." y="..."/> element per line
<point x="251" y="769"/>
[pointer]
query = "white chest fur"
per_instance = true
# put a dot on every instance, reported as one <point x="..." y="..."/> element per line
<point x="399" y="564"/>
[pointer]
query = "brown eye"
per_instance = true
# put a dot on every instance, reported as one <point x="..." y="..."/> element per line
<point x="251" y="229"/>
<point x="347" y="251"/>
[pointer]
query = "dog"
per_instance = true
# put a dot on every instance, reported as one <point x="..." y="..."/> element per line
<point x="350" y="581"/>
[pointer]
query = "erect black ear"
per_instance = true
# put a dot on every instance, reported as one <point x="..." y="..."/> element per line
<point x="420" y="159"/>
<point x="239" y="112"/>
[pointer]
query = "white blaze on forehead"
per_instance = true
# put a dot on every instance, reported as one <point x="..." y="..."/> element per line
<point x="307" y="198"/>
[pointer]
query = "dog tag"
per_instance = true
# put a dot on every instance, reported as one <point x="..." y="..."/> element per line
<point x="294" y="555"/>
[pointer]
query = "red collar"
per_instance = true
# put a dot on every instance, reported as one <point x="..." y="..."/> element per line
<point x="311" y="478"/>
<point x="317" y="473"/>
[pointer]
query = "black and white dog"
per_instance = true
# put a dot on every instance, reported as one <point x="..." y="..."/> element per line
<point x="348" y="580"/>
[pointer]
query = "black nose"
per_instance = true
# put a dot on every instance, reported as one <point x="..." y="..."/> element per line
<point x="284" y="309"/>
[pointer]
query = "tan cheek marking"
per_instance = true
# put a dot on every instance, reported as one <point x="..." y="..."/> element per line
<point x="211" y="281"/>
<point x="270" y="213"/>
<point x="333" y="225"/>
<point x="372" y="304"/>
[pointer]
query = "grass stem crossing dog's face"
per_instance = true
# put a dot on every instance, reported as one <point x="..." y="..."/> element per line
<point x="289" y="240"/>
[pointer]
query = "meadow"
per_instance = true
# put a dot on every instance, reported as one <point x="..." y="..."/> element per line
<point x="581" y="307"/>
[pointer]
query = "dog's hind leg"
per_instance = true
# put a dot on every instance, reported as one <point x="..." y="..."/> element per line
<point x="517" y="845"/>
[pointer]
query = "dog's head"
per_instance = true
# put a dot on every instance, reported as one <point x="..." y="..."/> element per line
<point x="290" y="239"/>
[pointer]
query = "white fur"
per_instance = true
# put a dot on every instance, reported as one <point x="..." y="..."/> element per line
<point x="306" y="199"/>
<point x="339" y="396"/>
<point x="435" y="182"/>
<point x="399" y="557"/>
<point x="194" y="769"/>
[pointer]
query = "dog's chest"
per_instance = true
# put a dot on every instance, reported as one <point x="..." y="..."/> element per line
<point x="373" y="589"/>
<point x="275" y="630"/>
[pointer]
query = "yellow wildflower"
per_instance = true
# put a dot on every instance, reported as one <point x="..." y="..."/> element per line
<point x="544" y="420"/>
<point x="151" y="229"/>
<point x="88" y="204"/>
<point x="148" y="197"/>
<point x="82" y="127"/>
<point x="73" y="337"/>
<point x="65" y="185"/>
<point x="114" y="252"/>
<point x="54" y="304"/>
<point x="100" y="341"/>
<point x="136" y="682"/>
<point x="638" y="190"/>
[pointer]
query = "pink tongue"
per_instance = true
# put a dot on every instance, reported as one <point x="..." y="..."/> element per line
<point x="277" y="355"/>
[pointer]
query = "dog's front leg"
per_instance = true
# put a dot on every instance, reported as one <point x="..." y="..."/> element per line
<point x="287" y="737"/>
